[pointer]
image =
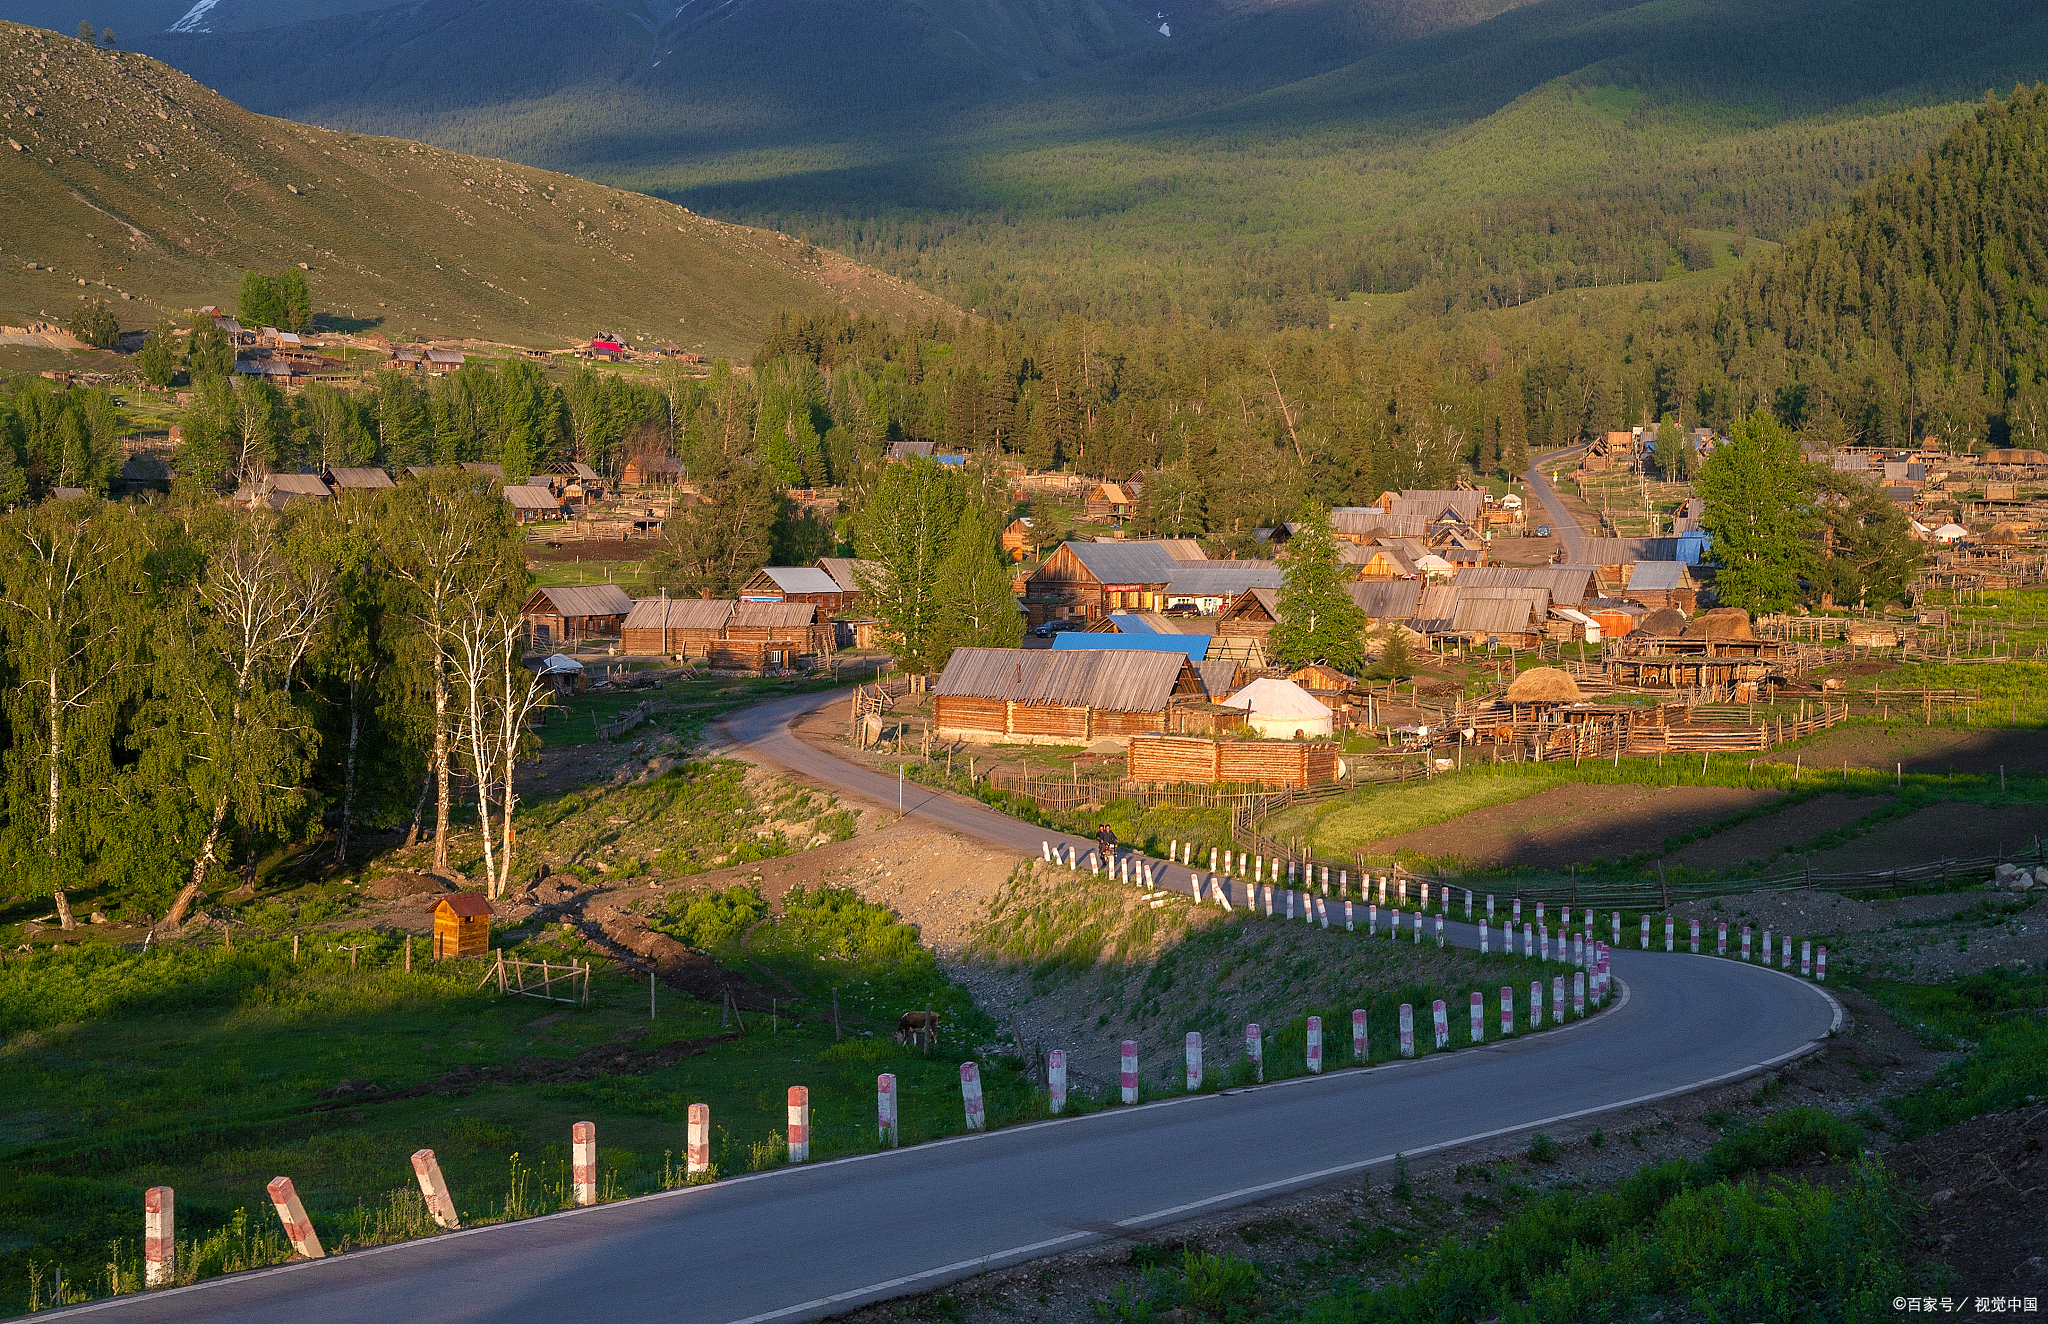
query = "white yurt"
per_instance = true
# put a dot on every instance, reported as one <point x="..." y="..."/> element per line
<point x="1279" y="709"/>
<point x="1951" y="533"/>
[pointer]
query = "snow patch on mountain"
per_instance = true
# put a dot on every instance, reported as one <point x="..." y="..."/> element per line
<point x="193" y="17"/>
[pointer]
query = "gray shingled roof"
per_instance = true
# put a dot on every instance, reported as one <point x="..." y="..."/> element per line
<point x="1388" y="599"/>
<point x="587" y="599"/>
<point x="1131" y="680"/>
<point x="680" y="614"/>
<point x="800" y="579"/>
<point x="1568" y="584"/>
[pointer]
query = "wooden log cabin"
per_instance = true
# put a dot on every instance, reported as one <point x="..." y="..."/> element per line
<point x="1174" y="760"/>
<point x="678" y="627"/>
<point x="567" y="614"/>
<point x="795" y="583"/>
<point x="1034" y="697"/>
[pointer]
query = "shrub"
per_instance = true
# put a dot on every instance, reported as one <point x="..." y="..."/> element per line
<point x="712" y="919"/>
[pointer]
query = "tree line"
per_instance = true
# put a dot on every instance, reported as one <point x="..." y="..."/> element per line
<point x="190" y="688"/>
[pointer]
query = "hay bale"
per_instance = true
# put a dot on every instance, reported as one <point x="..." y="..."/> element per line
<point x="1720" y="623"/>
<point x="1663" y="623"/>
<point x="1544" y="685"/>
<point x="2006" y="532"/>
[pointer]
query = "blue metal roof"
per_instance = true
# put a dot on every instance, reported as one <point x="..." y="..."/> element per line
<point x="1194" y="646"/>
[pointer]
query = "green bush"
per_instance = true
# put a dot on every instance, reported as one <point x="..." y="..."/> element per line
<point x="1781" y="1140"/>
<point x="709" y="920"/>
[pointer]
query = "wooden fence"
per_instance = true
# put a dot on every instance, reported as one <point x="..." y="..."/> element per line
<point x="1648" y="895"/>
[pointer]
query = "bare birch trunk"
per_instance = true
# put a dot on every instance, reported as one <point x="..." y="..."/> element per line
<point x="176" y="914"/>
<point x="441" y="787"/>
<point x="348" y="781"/>
<point x="419" y="807"/>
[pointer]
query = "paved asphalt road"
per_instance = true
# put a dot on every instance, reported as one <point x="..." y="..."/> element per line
<point x="801" y="1243"/>
<point x="1559" y="518"/>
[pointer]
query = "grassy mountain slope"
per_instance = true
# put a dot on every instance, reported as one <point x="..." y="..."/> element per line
<point x="129" y="173"/>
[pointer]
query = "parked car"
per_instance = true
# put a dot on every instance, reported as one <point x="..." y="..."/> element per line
<point x="1183" y="609"/>
<point x="1051" y="628"/>
<point x="1543" y="530"/>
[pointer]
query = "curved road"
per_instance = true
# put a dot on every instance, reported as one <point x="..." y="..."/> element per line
<point x="805" y="1242"/>
<point x="1561" y="519"/>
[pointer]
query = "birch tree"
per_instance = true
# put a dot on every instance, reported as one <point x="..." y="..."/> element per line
<point x="497" y="695"/>
<point x="66" y="586"/>
<point x="447" y="539"/>
<point x="240" y="738"/>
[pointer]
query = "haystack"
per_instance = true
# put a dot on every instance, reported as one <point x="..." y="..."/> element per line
<point x="1663" y="623"/>
<point x="1544" y="685"/>
<point x="1720" y="623"/>
<point x="2003" y="533"/>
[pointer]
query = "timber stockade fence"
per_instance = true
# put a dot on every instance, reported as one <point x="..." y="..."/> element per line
<point x="1649" y="894"/>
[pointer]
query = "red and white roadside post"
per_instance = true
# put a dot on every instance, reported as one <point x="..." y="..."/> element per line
<point x="1645" y="939"/>
<point x="799" y="1124"/>
<point x="1347" y="916"/>
<point x="298" y="1229"/>
<point x="1407" y="1030"/>
<point x="1770" y="952"/>
<point x="1255" y="1050"/>
<point x="697" y="1154"/>
<point x="1482" y="937"/>
<point x="1535" y="1004"/>
<point x="1557" y="1000"/>
<point x="1785" y="952"/>
<point x="434" y="1187"/>
<point x="1194" y="1060"/>
<point x="1579" y="995"/>
<point x="1617" y="928"/>
<point x="1478" y="1018"/>
<point x="1806" y="957"/>
<point x="1820" y="968"/>
<point x="887" y="1129"/>
<point x="970" y="1095"/>
<point x="1440" y="1022"/>
<point x="1056" y="1081"/>
<point x="1507" y="1010"/>
<point x="1130" y="1070"/>
<point x="1315" y="1045"/>
<point x="583" y="1161"/>
<point x="1695" y="937"/>
<point x="1721" y="940"/>
<point x="1528" y="940"/>
<point x="1669" y="925"/>
<point x="1358" y="1045"/>
<point x="159" y="1237"/>
<point x="1745" y="942"/>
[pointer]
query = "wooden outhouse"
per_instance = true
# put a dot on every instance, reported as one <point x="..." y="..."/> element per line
<point x="462" y="926"/>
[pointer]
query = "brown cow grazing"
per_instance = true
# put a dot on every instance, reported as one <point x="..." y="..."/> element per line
<point x="917" y="1027"/>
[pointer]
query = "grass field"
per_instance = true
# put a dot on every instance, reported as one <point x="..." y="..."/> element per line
<point x="213" y="1070"/>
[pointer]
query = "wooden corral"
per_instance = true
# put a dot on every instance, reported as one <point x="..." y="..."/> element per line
<point x="1176" y="760"/>
<point x="462" y="926"/>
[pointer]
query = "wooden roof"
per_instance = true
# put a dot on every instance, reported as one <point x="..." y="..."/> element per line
<point x="1129" y="681"/>
<point x="1568" y="584"/>
<point x="680" y="614"/>
<point x="757" y="615"/>
<point x="526" y="497"/>
<point x="581" y="600"/>
<point x="359" y="477"/>
<point x="469" y="905"/>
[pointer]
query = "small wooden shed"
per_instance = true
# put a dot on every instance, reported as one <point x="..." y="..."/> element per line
<point x="462" y="925"/>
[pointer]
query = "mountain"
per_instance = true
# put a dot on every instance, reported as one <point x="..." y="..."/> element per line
<point x="122" y="176"/>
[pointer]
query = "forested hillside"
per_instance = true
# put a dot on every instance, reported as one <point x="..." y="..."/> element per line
<point x="1051" y="158"/>
<point x="1921" y="300"/>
